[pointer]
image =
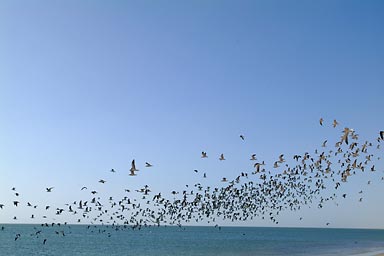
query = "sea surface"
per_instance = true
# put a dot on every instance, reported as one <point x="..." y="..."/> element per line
<point x="171" y="240"/>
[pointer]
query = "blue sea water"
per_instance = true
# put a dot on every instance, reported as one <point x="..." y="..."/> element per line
<point x="207" y="241"/>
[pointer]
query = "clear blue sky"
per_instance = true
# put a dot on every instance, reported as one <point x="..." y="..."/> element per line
<point x="86" y="86"/>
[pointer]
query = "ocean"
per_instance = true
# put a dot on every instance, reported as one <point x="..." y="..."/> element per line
<point x="28" y="239"/>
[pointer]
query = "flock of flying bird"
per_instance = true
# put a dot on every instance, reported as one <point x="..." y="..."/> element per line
<point x="306" y="179"/>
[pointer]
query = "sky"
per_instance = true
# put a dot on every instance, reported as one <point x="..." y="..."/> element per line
<point x="86" y="86"/>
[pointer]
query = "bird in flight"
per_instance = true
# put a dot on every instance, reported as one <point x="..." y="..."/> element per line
<point x="242" y="137"/>
<point x="253" y="157"/>
<point x="148" y="164"/>
<point x="335" y="123"/>
<point x="204" y="154"/>
<point x="276" y="165"/>
<point x="382" y="135"/>
<point x="221" y="157"/>
<point x="321" y="121"/>
<point x="49" y="189"/>
<point x="102" y="181"/>
<point x="133" y="166"/>
<point x="345" y="135"/>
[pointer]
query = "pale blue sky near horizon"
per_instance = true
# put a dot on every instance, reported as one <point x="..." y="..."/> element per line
<point x="86" y="86"/>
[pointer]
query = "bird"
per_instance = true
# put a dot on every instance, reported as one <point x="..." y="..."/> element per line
<point x="148" y="164"/>
<point x="102" y="181"/>
<point x="204" y="154"/>
<point x="241" y="136"/>
<point x="84" y="188"/>
<point x="321" y="121"/>
<point x="335" y="123"/>
<point x="253" y="157"/>
<point x="113" y="170"/>
<point x="324" y="143"/>
<point x="345" y="135"/>
<point x="221" y="157"/>
<point x="49" y="189"/>
<point x="1" y="206"/>
<point x="382" y="135"/>
<point x="133" y="166"/>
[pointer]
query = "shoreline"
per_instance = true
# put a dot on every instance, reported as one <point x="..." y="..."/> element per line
<point x="373" y="253"/>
